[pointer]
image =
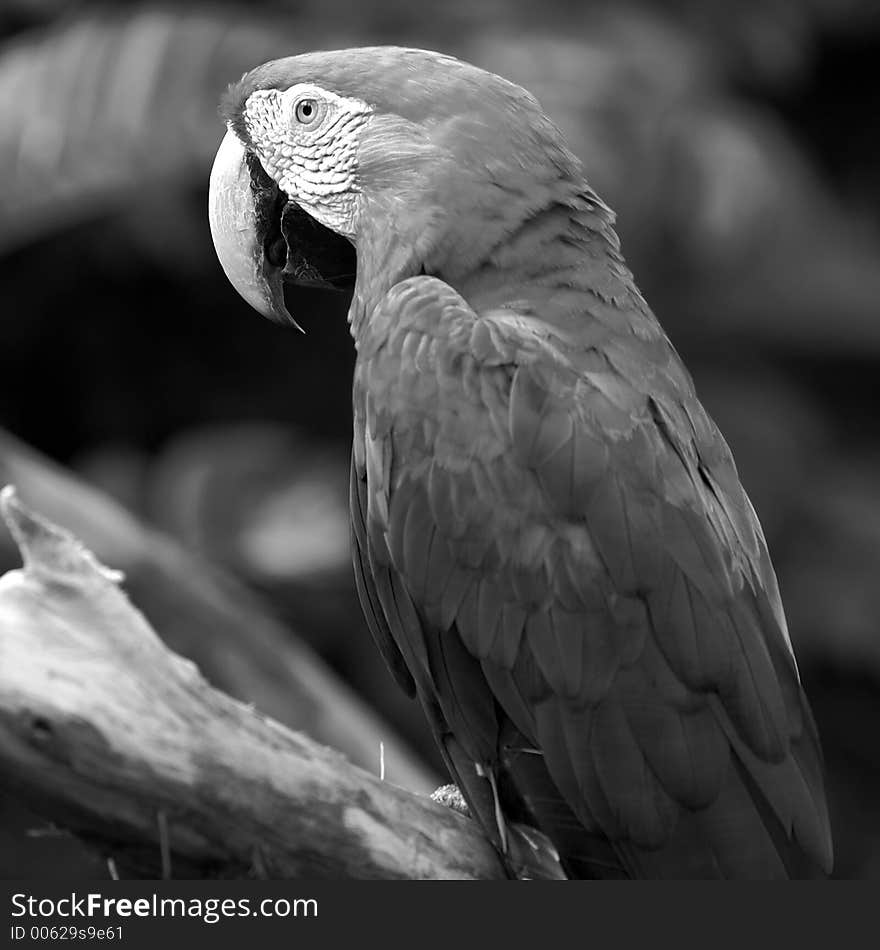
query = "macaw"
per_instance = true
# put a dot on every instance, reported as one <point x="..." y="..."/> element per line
<point x="551" y="543"/>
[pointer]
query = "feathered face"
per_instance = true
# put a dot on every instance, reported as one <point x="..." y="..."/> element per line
<point x="328" y="152"/>
<point x="306" y="138"/>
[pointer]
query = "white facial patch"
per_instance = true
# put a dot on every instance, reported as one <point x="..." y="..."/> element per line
<point x="307" y="139"/>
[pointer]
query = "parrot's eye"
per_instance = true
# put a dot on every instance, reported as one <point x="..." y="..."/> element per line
<point x="306" y="111"/>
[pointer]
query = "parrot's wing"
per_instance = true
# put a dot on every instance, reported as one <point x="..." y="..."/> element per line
<point x="560" y="544"/>
<point x="365" y="574"/>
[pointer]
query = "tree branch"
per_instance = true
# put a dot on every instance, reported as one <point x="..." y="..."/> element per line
<point x="107" y="732"/>
<point x="205" y="614"/>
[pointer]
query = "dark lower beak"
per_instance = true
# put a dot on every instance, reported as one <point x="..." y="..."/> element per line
<point x="263" y="240"/>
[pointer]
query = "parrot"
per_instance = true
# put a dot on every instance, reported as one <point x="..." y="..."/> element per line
<point x="551" y="543"/>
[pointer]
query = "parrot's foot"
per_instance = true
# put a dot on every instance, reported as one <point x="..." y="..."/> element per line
<point x="451" y="797"/>
<point x="531" y="855"/>
<point x="527" y="853"/>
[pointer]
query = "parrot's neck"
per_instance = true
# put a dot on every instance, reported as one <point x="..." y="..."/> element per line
<point x="547" y="255"/>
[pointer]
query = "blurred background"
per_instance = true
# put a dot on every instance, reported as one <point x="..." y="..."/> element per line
<point x="738" y="142"/>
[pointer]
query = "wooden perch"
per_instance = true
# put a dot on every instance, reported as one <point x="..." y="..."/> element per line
<point x="209" y="617"/>
<point x="107" y="732"/>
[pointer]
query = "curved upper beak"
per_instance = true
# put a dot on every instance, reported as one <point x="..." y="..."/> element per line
<point x="237" y="221"/>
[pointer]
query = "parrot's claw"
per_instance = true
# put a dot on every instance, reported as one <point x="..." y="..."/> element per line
<point x="451" y="797"/>
<point x="533" y="857"/>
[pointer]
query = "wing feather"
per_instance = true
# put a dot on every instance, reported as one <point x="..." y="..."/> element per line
<point x="567" y="538"/>
<point x="367" y="594"/>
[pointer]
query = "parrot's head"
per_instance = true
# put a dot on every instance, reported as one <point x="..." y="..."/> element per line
<point x="371" y="165"/>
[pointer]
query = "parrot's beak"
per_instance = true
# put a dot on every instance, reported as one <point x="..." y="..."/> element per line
<point x="239" y="229"/>
<point x="263" y="240"/>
